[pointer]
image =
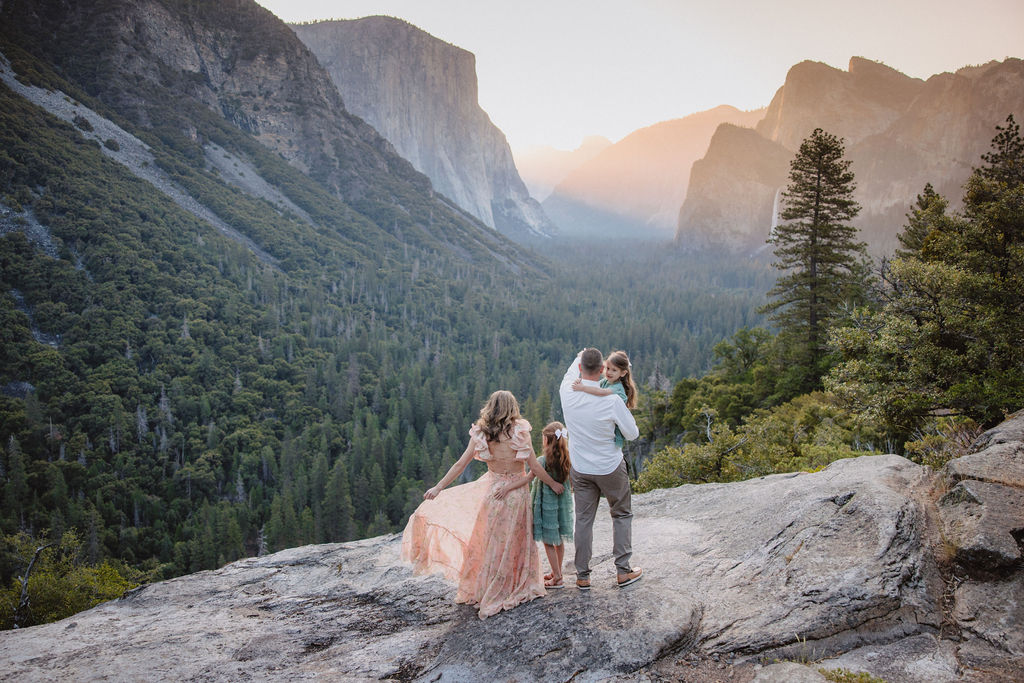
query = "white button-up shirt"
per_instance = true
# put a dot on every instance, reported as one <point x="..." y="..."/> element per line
<point x="591" y="421"/>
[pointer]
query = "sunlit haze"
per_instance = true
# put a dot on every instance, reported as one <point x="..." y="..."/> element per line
<point x="551" y="72"/>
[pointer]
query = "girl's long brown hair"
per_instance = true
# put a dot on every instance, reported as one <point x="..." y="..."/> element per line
<point x="620" y="360"/>
<point x="556" y="452"/>
<point x="499" y="415"/>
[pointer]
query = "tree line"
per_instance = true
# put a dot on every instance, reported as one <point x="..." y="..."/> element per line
<point x="915" y="356"/>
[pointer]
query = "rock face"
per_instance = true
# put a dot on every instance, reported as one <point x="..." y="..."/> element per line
<point x="634" y="188"/>
<point x="187" y="72"/>
<point x="420" y="93"/>
<point x="794" y="566"/>
<point x="900" y="133"/>
<point x="741" y="164"/>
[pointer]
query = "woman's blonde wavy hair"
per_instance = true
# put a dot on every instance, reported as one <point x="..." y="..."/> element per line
<point x="499" y="415"/>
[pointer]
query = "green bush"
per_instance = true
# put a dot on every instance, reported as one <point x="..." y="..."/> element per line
<point x="61" y="583"/>
<point x="805" y="434"/>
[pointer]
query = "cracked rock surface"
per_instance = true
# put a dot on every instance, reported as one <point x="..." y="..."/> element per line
<point x="840" y="565"/>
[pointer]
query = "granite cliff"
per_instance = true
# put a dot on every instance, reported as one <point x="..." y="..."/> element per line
<point x="420" y="93"/>
<point x="874" y="564"/>
<point x="181" y="71"/>
<point x="900" y="133"/>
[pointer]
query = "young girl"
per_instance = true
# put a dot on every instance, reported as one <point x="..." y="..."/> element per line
<point x="552" y="512"/>
<point x="618" y="380"/>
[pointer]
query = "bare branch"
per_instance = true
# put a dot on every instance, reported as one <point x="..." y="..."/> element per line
<point x="20" y="612"/>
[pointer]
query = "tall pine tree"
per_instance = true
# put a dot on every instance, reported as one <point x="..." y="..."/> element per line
<point x="817" y="248"/>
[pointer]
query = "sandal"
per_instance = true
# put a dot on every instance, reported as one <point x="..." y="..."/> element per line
<point x="548" y="577"/>
<point x="552" y="583"/>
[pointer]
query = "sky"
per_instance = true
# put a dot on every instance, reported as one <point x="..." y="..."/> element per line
<point x="551" y="72"/>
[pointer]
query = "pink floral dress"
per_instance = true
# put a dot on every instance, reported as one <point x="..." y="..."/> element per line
<point x="483" y="543"/>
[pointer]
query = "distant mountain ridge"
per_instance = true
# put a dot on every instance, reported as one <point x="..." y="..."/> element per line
<point x="541" y="168"/>
<point x="420" y="93"/>
<point x="636" y="186"/>
<point x="900" y="133"/>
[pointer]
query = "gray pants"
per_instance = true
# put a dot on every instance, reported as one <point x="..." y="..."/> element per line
<point x="586" y="493"/>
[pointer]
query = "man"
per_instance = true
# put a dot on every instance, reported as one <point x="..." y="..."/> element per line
<point x="597" y="466"/>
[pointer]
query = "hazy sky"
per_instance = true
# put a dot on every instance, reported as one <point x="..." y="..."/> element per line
<point x="552" y="71"/>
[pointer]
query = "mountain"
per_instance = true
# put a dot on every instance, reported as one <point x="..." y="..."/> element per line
<point x="541" y="168"/>
<point x="900" y="133"/>
<point x="421" y="94"/>
<point x="636" y="186"/>
<point x="862" y="566"/>
<point x="741" y="164"/>
<point x="223" y="297"/>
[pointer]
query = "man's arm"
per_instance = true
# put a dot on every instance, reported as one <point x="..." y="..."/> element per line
<point x="624" y="419"/>
<point x="571" y="373"/>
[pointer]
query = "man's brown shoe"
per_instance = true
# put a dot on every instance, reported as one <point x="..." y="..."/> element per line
<point x="631" y="577"/>
<point x="583" y="584"/>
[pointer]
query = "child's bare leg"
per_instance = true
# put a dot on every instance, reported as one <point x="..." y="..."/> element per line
<point x="560" y="552"/>
<point x="554" y="560"/>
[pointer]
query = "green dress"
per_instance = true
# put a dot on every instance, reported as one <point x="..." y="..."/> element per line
<point x="552" y="513"/>
<point x="619" y="391"/>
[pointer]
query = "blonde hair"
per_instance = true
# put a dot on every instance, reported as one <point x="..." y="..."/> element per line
<point x="556" y="452"/>
<point x="620" y="360"/>
<point x="499" y="415"/>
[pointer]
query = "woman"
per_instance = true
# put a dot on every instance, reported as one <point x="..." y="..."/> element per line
<point x="480" y="533"/>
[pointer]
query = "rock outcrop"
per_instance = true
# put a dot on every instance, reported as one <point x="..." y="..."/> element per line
<point x="847" y="567"/>
<point x="900" y="133"/>
<point x="420" y="93"/>
<point x="634" y="188"/>
<point x="190" y="73"/>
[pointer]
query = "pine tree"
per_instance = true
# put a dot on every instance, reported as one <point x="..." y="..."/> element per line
<point x="1005" y="163"/>
<point x="949" y="336"/>
<point x="817" y="249"/>
<point x="338" y="504"/>
<point x="16" y="489"/>
<point x="927" y="214"/>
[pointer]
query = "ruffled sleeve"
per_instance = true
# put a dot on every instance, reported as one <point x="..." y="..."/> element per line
<point x="521" y="442"/>
<point x="479" y="443"/>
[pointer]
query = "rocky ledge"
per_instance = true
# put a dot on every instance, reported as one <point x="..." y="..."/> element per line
<point x="874" y="564"/>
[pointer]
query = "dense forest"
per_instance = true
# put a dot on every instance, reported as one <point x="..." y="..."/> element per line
<point x="174" y="402"/>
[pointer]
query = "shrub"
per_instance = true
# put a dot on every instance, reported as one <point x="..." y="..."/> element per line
<point x="60" y="583"/>
<point x="82" y="123"/>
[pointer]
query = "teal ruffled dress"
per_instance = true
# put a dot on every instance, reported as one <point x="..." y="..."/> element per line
<point x="552" y="513"/>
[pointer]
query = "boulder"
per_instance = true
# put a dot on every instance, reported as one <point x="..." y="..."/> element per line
<point x="993" y="611"/>
<point x="922" y="658"/>
<point x="998" y="455"/>
<point x="983" y="522"/>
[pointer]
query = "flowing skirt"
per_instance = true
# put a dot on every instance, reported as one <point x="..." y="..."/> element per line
<point x="483" y="543"/>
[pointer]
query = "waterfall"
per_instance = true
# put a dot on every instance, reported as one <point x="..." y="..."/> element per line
<point x="775" y="213"/>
